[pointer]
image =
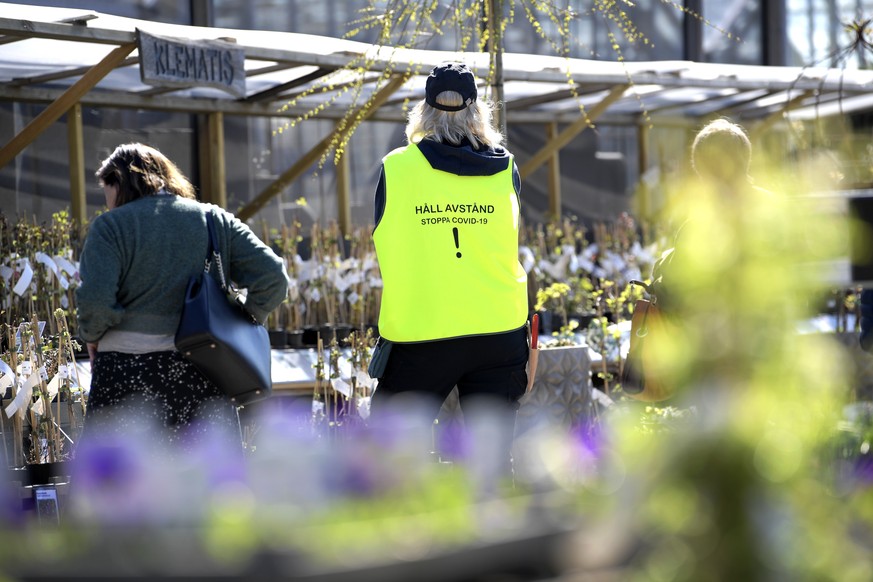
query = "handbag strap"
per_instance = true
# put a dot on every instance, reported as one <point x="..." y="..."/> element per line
<point x="643" y="329"/>
<point x="213" y="253"/>
<point x="649" y="289"/>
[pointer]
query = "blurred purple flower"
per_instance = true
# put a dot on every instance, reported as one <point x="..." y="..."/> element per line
<point x="106" y="465"/>
<point x="863" y="470"/>
<point x="11" y="508"/>
<point x="589" y="440"/>
<point x="352" y="476"/>
<point x="112" y="481"/>
<point x="453" y="442"/>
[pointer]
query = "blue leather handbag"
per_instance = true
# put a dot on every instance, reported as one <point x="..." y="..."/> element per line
<point x="217" y="335"/>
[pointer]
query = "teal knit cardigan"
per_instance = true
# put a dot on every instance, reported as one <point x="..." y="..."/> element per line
<point x="138" y="258"/>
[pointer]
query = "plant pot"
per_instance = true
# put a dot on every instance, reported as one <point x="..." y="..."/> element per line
<point x="550" y="321"/>
<point x="342" y="331"/>
<point x="326" y="332"/>
<point x="295" y="339"/>
<point x="584" y="319"/>
<point x="310" y="335"/>
<point x="278" y="338"/>
<point x="40" y="473"/>
<point x="561" y="394"/>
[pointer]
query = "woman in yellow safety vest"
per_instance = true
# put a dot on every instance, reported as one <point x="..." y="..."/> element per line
<point x="454" y="304"/>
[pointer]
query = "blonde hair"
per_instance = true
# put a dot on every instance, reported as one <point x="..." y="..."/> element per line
<point x="474" y="122"/>
<point x="140" y="170"/>
<point x="722" y="149"/>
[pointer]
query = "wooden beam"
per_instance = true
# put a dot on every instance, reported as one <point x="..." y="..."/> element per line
<point x="343" y="193"/>
<point x="54" y="76"/>
<point x="390" y="62"/>
<point x="554" y="174"/>
<point x="292" y="173"/>
<point x="269" y="69"/>
<point x="570" y="132"/>
<point x="122" y="100"/>
<point x="76" y="149"/>
<point x="63" y="103"/>
<point x="563" y="94"/>
<point x="213" y="169"/>
<point x="126" y="100"/>
<point x="749" y="97"/>
<point x="778" y="115"/>
<point x="274" y="92"/>
<point x="32" y="29"/>
<point x="63" y="31"/>
<point x="81" y="20"/>
<point x="337" y="87"/>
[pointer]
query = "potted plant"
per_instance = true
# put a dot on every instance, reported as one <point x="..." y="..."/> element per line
<point x="561" y="388"/>
<point x="276" y="330"/>
<point x="38" y="277"/>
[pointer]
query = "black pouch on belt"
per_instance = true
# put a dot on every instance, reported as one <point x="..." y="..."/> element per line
<point x="379" y="361"/>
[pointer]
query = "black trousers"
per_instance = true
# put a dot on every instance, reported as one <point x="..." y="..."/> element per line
<point x="489" y="371"/>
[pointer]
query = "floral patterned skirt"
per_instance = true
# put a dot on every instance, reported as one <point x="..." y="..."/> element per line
<point x="159" y="394"/>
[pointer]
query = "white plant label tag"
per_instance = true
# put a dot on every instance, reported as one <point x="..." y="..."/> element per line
<point x="364" y="407"/>
<point x="342" y="387"/>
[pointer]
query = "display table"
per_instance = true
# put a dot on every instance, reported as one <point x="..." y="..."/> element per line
<point x="294" y="369"/>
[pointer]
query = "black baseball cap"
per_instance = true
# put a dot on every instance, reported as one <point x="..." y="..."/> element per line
<point x="455" y="77"/>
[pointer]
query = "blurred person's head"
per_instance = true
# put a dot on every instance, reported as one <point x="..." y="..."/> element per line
<point x="135" y="171"/>
<point x="722" y="152"/>
<point x="452" y="111"/>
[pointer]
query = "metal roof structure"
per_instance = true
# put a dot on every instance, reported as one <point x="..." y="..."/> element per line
<point x="70" y="57"/>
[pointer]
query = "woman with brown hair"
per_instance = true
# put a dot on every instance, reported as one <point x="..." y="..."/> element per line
<point x="135" y="266"/>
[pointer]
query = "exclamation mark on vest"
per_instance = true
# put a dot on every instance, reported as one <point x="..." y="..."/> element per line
<point x="455" y="233"/>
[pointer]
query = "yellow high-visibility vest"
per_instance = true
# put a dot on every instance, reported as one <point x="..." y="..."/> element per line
<point x="448" y="251"/>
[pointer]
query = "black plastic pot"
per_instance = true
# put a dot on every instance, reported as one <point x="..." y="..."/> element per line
<point x="550" y="321"/>
<point x="278" y="338"/>
<point x="342" y="331"/>
<point x="40" y="473"/>
<point x="295" y="338"/>
<point x="310" y="335"/>
<point x="584" y="319"/>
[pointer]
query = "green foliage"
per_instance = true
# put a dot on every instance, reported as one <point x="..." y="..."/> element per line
<point x="655" y="419"/>
<point x="552" y="296"/>
<point x="565" y="336"/>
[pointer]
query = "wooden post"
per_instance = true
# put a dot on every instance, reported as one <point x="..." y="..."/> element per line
<point x="76" y="149"/>
<point x="495" y="46"/>
<point x="343" y="193"/>
<point x="643" y="202"/>
<point x="213" y="173"/>
<point x="554" y="174"/>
